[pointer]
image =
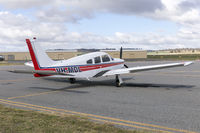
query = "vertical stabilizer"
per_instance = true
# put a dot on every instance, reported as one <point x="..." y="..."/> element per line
<point x="38" y="55"/>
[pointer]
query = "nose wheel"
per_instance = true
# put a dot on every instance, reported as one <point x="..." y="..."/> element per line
<point x="72" y="80"/>
<point x="118" y="81"/>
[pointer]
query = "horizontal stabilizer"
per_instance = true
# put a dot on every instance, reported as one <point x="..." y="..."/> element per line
<point x="21" y="71"/>
<point x="40" y="72"/>
<point x="30" y="64"/>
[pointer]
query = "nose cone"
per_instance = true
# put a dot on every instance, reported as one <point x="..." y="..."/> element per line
<point x="119" y="60"/>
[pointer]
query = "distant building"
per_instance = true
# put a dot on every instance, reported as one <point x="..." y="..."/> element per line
<point x="59" y="54"/>
<point x="176" y="51"/>
<point x="128" y="53"/>
<point x="61" y="50"/>
<point x="1" y="57"/>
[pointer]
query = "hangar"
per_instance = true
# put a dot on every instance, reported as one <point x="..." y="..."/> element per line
<point x="66" y="54"/>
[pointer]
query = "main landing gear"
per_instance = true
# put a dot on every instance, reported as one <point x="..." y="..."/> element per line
<point x="72" y="80"/>
<point x="118" y="81"/>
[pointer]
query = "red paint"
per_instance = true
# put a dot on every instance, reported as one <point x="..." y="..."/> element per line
<point x="40" y="75"/>
<point x="33" y="57"/>
<point x="87" y="68"/>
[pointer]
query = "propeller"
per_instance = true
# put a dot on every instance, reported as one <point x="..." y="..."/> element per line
<point x="120" y="55"/>
<point x="125" y="66"/>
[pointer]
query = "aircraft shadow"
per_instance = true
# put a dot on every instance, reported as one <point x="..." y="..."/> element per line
<point x="111" y="82"/>
<point x="169" y="86"/>
<point x="138" y="85"/>
<point x="66" y="89"/>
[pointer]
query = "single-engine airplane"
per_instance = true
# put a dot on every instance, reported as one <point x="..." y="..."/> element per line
<point x="91" y="65"/>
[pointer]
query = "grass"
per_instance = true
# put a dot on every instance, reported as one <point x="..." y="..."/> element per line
<point x="175" y="57"/>
<point x="23" y="121"/>
<point x="5" y="63"/>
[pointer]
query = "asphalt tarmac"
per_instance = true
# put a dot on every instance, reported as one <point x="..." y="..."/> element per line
<point x="166" y="100"/>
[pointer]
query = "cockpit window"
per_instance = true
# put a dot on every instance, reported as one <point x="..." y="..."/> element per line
<point x="89" y="61"/>
<point x="105" y="58"/>
<point x="97" y="59"/>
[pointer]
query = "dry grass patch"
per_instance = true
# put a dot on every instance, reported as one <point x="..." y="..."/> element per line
<point x="22" y="121"/>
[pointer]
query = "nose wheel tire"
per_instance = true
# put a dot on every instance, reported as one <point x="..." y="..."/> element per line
<point x="72" y="80"/>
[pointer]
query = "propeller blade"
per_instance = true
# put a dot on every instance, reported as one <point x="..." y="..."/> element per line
<point x="121" y="53"/>
<point x="125" y="66"/>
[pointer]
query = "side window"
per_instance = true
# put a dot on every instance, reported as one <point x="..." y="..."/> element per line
<point x="97" y="59"/>
<point x="105" y="58"/>
<point x="89" y="61"/>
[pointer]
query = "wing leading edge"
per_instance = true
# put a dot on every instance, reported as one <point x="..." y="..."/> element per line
<point x="145" y="68"/>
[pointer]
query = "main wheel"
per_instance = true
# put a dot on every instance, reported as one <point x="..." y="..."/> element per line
<point x="72" y="80"/>
<point x="117" y="81"/>
<point x="118" y="84"/>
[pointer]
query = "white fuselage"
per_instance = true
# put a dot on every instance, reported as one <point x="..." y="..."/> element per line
<point x="86" y="66"/>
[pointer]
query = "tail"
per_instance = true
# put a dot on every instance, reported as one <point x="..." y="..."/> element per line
<point x="38" y="55"/>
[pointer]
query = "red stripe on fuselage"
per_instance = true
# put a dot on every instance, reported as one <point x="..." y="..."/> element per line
<point x="92" y="67"/>
<point x="84" y="68"/>
<point x="33" y="57"/>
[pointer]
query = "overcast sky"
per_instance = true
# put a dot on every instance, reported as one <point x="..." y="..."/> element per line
<point x="147" y="24"/>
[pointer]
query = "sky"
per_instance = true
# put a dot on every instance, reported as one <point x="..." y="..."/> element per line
<point x="71" y="24"/>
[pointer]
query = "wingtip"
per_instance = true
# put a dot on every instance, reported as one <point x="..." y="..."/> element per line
<point x="188" y="63"/>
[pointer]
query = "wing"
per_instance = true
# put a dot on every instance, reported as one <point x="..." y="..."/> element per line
<point x="144" y="68"/>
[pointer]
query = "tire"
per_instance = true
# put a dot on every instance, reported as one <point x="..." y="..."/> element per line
<point x="72" y="80"/>
<point x="118" y="83"/>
